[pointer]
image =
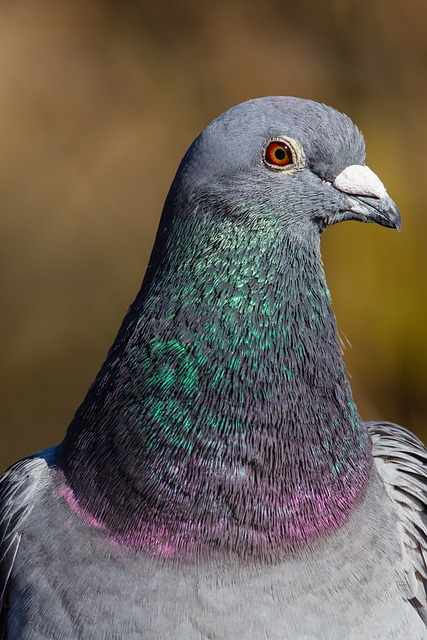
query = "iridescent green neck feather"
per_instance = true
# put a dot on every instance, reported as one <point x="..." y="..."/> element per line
<point x="222" y="416"/>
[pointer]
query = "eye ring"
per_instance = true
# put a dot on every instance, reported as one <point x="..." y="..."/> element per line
<point x="283" y="154"/>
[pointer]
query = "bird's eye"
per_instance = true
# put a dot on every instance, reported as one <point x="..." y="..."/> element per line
<point x="278" y="154"/>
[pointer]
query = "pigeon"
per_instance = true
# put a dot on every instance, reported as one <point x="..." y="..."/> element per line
<point x="217" y="481"/>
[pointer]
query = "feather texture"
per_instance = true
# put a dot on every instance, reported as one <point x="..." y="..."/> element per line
<point x="401" y="460"/>
<point x="19" y="487"/>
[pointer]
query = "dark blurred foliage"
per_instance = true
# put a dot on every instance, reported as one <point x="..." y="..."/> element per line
<point x="99" y="101"/>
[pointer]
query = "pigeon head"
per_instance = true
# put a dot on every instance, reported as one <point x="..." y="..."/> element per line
<point x="293" y="160"/>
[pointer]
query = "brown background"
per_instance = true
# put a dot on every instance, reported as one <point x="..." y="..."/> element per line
<point x="98" y="102"/>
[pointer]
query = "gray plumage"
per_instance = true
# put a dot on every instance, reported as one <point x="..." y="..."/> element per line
<point x="218" y="482"/>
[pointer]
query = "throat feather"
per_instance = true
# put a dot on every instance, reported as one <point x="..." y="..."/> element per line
<point x="223" y="413"/>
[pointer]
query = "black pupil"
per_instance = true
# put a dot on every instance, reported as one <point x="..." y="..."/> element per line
<point x="280" y="154"/>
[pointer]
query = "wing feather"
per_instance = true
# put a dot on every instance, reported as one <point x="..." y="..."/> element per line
<point x="18" y="488"/>
<point x="401" y="460"/>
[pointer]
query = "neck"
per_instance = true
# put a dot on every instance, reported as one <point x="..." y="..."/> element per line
<point x="222" y="415"/>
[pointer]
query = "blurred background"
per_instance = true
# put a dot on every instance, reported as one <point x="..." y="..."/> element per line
<point x="98" y="102"/>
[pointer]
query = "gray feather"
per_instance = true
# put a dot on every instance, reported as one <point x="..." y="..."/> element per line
<point x="19" y="486"/>
<point x="401" y="460"/>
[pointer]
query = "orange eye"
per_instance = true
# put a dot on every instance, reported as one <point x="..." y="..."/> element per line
<point x="278" y="154"/>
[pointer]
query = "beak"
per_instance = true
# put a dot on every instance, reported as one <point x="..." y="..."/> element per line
<point x="367" y="199"/>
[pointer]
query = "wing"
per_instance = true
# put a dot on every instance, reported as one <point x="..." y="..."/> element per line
<point x="19" y="486"/>
<point x="401" y="460"/>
